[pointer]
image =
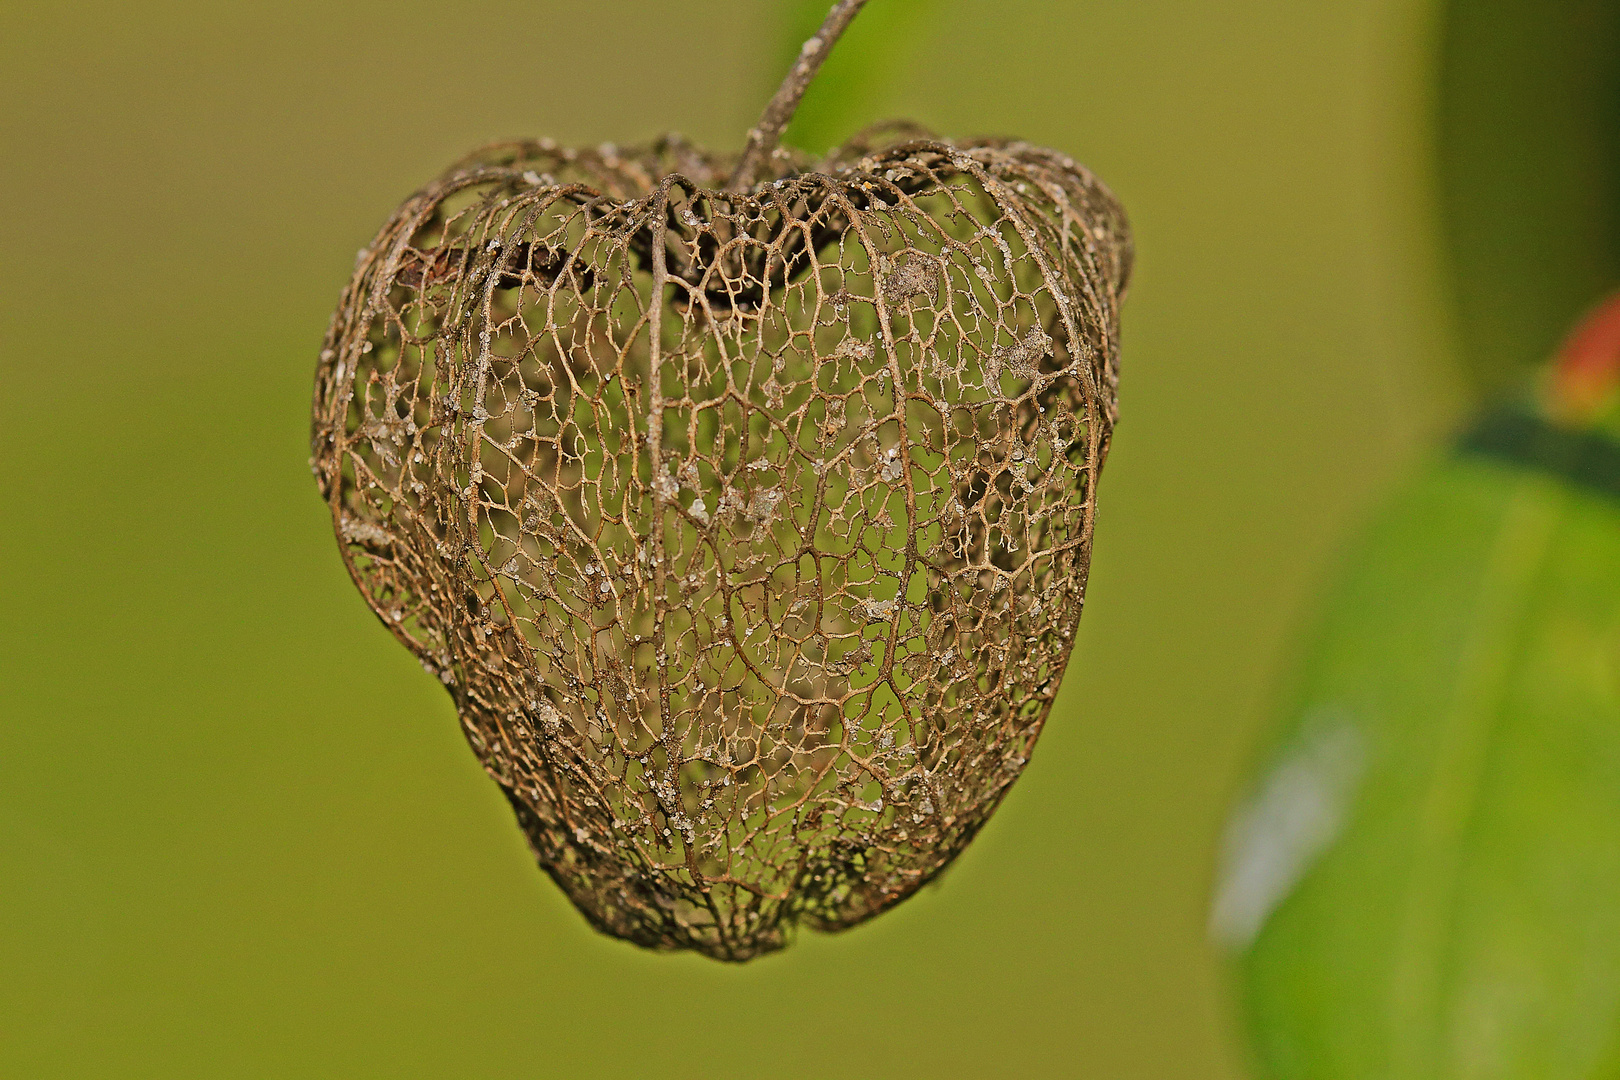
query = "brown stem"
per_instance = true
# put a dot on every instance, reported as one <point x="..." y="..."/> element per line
<point x="763" y="136"/>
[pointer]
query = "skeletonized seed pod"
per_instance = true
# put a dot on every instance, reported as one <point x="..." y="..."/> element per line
<point x="748" y="529"/>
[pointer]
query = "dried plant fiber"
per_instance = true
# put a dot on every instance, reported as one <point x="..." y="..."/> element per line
<point x="749" y="530"/>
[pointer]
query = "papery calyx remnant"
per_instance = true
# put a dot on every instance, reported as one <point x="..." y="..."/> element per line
<point x="747" y="523"/>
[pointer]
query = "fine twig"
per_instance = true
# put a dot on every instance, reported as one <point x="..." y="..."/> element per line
<point x="763" y="136"/>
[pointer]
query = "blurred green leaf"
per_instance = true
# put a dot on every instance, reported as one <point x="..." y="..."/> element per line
<point x="1425" y="880"/>
<point x="874" y="56"/>
<point x="1529" y="156"/>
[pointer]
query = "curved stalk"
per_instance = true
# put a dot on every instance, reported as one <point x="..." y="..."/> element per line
<point x="764" y="136"/>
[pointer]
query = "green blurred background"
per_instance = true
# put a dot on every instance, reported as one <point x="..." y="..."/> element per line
<point x="240" y="833"/>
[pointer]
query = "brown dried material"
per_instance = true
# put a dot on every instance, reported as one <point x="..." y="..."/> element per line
<point x="748" y="530"/>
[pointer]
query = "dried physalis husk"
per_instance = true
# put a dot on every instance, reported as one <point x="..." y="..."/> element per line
<point x="748" y="530"/>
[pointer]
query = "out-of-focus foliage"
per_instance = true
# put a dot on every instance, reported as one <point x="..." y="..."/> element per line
<point x="1529" y="154"/>
<point x="1431" y="858"/>
<point x="1424" y="881"/>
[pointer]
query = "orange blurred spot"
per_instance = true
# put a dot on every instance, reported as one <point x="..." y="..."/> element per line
<point x="1586" y="375"/>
